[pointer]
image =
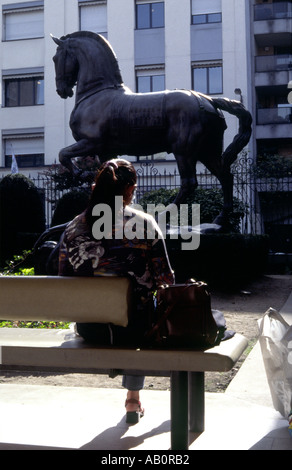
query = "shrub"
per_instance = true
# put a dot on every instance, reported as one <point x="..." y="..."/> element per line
<point x="34" y="324"/>
<point x="272" y="166"/>
<point x="64" y="179"/>
<point x="19" y="265"/>
<point x="210" y="200"/>
<point x="22" y="216"/>
<point x="70" y="205"/>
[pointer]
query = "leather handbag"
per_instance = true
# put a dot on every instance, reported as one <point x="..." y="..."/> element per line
<point x="184" y="317"/>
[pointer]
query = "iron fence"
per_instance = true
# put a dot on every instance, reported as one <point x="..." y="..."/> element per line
<point x="50" y="194"/>
<point x="267" y="201"/>
<point x="245" y="189"/>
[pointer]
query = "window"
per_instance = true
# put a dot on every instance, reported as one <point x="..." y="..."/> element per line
<point x="23" y="90"/>
<point x="28" y="150"/>
<point x="26" y="161"/>
<point x="149" y="83"/>
<point x="206" y="11"/>
<point x="150" y="15"/>
<point x="23" y="20"/>
<point x="93" y="16"/>
<point x="210" y="18"/>
<point x="208" y="79"/>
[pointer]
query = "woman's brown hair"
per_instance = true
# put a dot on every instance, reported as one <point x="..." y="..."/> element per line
<point x="113" y="178"/>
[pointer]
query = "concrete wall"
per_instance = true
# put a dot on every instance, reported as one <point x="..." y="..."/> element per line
<point x="236" y="57"/>
<point x="177" y="44"/>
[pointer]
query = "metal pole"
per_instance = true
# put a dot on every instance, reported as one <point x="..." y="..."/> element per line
<point x="179" y="411"/>
<point x="197" y="401"/>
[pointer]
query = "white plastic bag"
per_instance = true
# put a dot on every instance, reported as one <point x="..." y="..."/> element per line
<point x="276" y="345"/>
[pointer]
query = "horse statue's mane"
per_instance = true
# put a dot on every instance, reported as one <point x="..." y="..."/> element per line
<point x="103" y="42"/>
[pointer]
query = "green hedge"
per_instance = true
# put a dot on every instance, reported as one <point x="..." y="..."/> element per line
<point x="22" y="216"/>
<point x="210" y="200"/>
<point x="70" y="205"/>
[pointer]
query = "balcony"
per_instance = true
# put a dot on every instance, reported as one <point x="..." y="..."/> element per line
<point x="272" y="63"/>
<point x="279" y="115"/>
<point x="273" y="71"/>
<point x="273" y="11"/>
<point x="273" y="24"/>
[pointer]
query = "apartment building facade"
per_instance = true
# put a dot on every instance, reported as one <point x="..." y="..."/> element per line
<point x="272" y="74"/>
<point x="159" y="44"/>
<point x="233" y="48"/>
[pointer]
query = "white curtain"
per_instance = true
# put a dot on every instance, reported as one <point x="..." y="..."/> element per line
<point x="200" y="7"/>
<point x="93" y="18"/>
<point x="25" y="24"/>
<point x="24" y="146"/>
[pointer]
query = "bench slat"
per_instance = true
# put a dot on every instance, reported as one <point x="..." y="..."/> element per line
<point x="57" y="348"/>
<point x="59" y="298"/>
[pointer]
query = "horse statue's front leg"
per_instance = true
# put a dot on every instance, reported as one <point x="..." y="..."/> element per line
<point x="67" y="162"/>
<point x="82" y="148"/>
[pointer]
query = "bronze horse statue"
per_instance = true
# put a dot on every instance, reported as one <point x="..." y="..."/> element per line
<point x="109" y="120"/>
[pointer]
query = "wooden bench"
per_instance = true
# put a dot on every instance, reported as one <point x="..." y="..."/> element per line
<point x="39" y="298"/>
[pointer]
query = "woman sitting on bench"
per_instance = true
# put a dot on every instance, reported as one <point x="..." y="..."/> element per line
<point x="85" y="250"/>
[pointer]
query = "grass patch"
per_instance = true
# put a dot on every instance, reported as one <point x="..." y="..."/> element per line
<point x="34" y="324"/>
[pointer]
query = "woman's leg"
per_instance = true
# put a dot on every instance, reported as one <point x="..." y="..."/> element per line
<point x="133" y="383"/>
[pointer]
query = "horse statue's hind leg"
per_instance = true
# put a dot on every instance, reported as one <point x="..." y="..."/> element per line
<point x="229" y="156"/>
<point x="207" y="147"/>
<point x="225" y="177"/>
<point x="220" y="166"/>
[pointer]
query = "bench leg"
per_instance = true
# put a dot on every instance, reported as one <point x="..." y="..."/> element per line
<point x="179" y="410"/>
<point x="196" y="401"/>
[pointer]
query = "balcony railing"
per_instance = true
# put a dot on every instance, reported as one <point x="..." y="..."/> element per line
<point x="279" y="115"/>
<point x="273" y="11"/>
<point x="269" y="63"/>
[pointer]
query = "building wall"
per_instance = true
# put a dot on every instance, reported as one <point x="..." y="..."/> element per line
<point x="236" y="55"/>
<point x="175" y="47"/>
<point x="121" y="28"/>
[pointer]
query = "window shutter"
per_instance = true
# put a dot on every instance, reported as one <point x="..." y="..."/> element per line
<point x="200" y="7"/>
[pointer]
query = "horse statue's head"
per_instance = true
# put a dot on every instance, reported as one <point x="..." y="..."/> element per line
<point x="66" y="68"/>
<point x="85" y="59"/>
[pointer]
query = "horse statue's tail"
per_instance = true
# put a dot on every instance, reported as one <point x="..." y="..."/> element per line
<point x="245" y="121"/>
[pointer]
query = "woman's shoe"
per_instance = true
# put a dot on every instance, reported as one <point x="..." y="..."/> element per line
<point x="133" y="417"/>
